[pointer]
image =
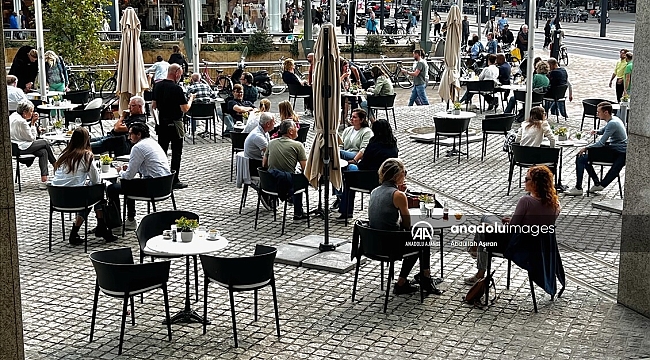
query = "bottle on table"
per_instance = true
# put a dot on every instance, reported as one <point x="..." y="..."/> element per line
<point x="445" y="211"/>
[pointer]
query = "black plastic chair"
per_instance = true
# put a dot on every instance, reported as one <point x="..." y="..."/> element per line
<point x="362" y="181"/>
<point x="237" y="145"/>
<point x="383" y="246"/>
<point x="241" y="274"/>
<point x="385" y="102"/>
<point x="529" y="156"/>
<point x="153" y="225"/>
<point x="453" y="128"/>
<point x="269" y="186"/>
<point x="495" y="125"/>
<point x="151" y="190"/>
<point x="556" y="95"/>
<point x="520" y="97"/>
<point x="481" y="88"/>
<point x="119" y="277"/>
<point x="589" y="107"/>
<point x="224" y="113"/>
<point x="17" y="154"/>
<point x="88" y="118"/>
<point x="602" y="156"/>
<point x="80" y="97"/>
<point x="302" y="132"/>
<point x="299" y="91"/>
<point x="73" y="199"/>
<point x="492" y="252"/>
<point x="204" y="112"/>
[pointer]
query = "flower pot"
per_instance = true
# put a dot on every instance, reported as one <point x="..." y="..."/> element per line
<point x="186" y="236"/>
<point x="57" y="103"/>
<point x="625" y="103"/>
<point x="106" y="168"/>
<point x="456" y="112"/>
<point x="562" y="137"/>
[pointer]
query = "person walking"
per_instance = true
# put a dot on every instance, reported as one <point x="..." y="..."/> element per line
<point x="619" y="74"/>
<point x="547" y="34"/>
<point x="437" y="26"/>
<point x="465" y="35"/>
<point x="419" y="73"/>
<point x="343" y="21"/>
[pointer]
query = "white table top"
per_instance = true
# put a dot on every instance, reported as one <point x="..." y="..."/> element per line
<point x="52" y="136"/>
<point x="199" y="245"/>
<point x="359" y="93"/>
<point x="446" y="115"/>
<point x="513" y="87"/>
<point x="61" y="106"/>
<point x="110" y="174"/>
<point x="49" y="93"/>
<point x="569" y="143"/>
<point x="436" y="223"/>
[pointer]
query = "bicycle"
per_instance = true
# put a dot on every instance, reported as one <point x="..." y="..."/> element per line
<point x="397" y="77"/>
<point x="223" y="86"/>
<point x="276" y="77"/>
<point x="88" y="82"/>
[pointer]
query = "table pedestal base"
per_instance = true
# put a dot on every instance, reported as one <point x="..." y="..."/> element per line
<point x="454" y="152"/>
<point x="187" y="317"/>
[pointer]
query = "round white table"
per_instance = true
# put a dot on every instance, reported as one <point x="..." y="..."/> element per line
<point x="513" y="87"/>
<point x="64" y="105"/>
<point x="56" y="137"/>
<point x="448" y="115"/>
<point x="199" y="245"/>
<point x="111" y="175"/>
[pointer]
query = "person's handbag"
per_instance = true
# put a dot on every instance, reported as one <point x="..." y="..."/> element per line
<point x="511" y="136"/>
<point x="476" y="292"/>
<point x="111" y="214"/>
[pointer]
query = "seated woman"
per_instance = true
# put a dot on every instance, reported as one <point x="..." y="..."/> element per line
<point x="383" y="86"/>
<point x="540" y="81"/>
<point x="346" y="84"/>
<point x="534" y="129"/>
<point x="388" y="204"/>
<point x="381" y="146"/>
<point x="23" y="130"/>
<point x="290" y="78"/>
<point x="540" y="206"/>
<point x="254" y="117"/>
<point x="74" y="167"/>
<point x="286" y="113"/>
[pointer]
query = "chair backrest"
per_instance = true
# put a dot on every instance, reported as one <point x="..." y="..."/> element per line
<point x="252" y="271"/>
<point x="150" y="188"/>
<point x="556" y="93"/>
<point x="538" y="98"/>
<point x="116" y="272"/>
<point x="302" y="132"/>
<point x="92" y="116"/>
<point x="299" y="90"/>
<point x="153" y="224"/>
<point x="15" y="150"/>
<point x="75" y="197"/>
<point x="601" y="155"/>
<point x="237" y="140"/>
<point x="486" y="85"/>
<point x="361" y="180"/>
<point x="498" y="122"/>
<point x="199" y="110"/>
<point x="382" y="245"/>
<point x="589" y="106"/>
<point x="519" y="95"/>
<point x="77" y="97"/>
<point x="384" y="101"/>
<point x="451" y="126"/>
<point x="530" y="155"/>
<point x="267" y="181"/>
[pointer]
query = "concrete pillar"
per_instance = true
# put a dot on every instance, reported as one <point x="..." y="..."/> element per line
<point x="633" y="281"/>
<point x="11" y="330"/>
<point x="274" y="15"/>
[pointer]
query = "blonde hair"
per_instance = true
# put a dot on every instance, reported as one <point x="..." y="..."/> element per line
<point x="288" y="64"/>
<point x="390" y="170"/>
<point x="265" y="105"/>
<point x="286" y="111"/>
<point x="50" y="57"/>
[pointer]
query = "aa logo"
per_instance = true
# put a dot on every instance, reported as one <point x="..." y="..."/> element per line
<point x="422" y="231"/>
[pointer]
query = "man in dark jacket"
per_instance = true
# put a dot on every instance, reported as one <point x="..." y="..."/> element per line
<point x="465" y="35"/>
<point x="25" y="67"/>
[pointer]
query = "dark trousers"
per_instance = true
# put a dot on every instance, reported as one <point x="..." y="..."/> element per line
<point x="409" y="262"/>
<point x="113" y="192"/>
<point x="619" y="90"/>
<point x="43" y="151"/>
<point x="582" y="164"/>
<point x="167" y="134"/>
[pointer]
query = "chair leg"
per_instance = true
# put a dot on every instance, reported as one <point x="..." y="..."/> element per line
<point x="390" y="278"/>
<point x="284" y="216"/>
<point x="94" y="316"/>
<point x="205" y="304"/>
<point x="620" y="189"/>
<point x="382" y="275"/>
<point x="167" y="318"/>
<point x="50" y="237"/>
<point x="582" y="123"/>
<point x="85" y="236"/>
<point x="466" y="144"/>
<point x="532" y="293"/>
<point x="394" y="120"/>
<point x="488" y="276"/>
<point x="257" y="210"/>
<point x="62" y="227"/>
<point x="124" y="217"/>
<point x="508" y="279"/>
<point x="356" y="277"/>
<point x="307" y="201"/>
<point x="255" y="304"/>
<point x="244" y="193"/>
<point x="132" y="312"/>
<point x="275" y="306"/>
<point x="232" y="166"/>
<point x="232" y="312"/>
<point x="153" y="206"/>
<point x="484" y="146"/>
<point x="196" y="278"/>
<point x="173" y="200"/>
<point x="124" y="307"/>
<point x="512" y="168"/>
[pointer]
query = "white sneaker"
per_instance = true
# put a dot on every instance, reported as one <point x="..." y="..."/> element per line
<point x="130" y="224"/>
<point x="574" y="192"/>
<point x="596" y="188"/>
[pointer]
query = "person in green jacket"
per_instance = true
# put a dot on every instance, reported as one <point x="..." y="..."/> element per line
<point x="383" y="86"/>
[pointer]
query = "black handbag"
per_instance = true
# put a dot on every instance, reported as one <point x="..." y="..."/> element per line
<point x="111" y="214"/>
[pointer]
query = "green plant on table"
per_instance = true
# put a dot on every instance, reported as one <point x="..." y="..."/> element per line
<point x="561" y="131"/>
<point x="457" y="105"/>
<point x="625" y="98"/>
<point x="185" y="225"/>
<point x="106" y="159"/>
<point x="427" y="199"/>
<point x="578" y="136"/>
<point x="58" y="124"/>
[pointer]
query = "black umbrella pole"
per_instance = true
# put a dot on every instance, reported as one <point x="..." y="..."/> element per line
<point x="326" y="93"/>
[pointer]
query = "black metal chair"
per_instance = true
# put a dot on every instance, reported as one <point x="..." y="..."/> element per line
<point x="299" y="91"/>
<point x="151" y="190"/>
<point x="119" y="277"/>
<point x="556" y="95"/>
<point x="495" y="125"/>
<point x="241" y="274"/>
<point x="237" y="145"/>
<point x="520" y="97"/>
<point x="224" y="113"/>
<point x="73" y="199"/>
<point x="26" y="159"/>
<point x="80" y="97"/>
<point x="269" y="186"/>
<point x="383" y="246"/>
<point x="361" y="181"/>
<point x="453" y="128"/>
<point x="529" y="156"/>
<point x="385" y="102"/>
<point x="204" y="112"/>
<point x="302" y="132"/>
<point x="481" y="88"/>
<point x="153" y="225"/>
<point x="252" y="169"/>
<point x="589" y="107"/>
<point x="602" y="156"/>
<point x="88" y="118"/>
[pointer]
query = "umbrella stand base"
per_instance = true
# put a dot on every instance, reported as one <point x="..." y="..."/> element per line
<point x="326" y="247"/>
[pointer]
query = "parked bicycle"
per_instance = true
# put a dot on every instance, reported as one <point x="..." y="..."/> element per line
<point x="89" y="82"/>
<point x="223" y="85"/>
<point x="396" y="76"/>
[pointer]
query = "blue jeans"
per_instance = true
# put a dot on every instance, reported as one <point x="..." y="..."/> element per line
<point x="512" y="104"/>
<point x="364" y="106"/>
<point x="550" y="105"/>
<point x="345" y="155"/>
<point x="582" y="164"/>
<point x="346" y="207"/>
<point x="418" y="93"/>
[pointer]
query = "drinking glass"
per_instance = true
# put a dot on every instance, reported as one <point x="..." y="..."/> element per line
<point x="77" y="122"/>
<point x="429" y="207"/>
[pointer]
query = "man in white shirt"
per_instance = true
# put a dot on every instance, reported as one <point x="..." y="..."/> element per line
<point x="255" y="147"/>
<point x="159" y="68"/>
<point x="147" y="159"/>
<point x="14" y="94"/>
<point x="490" y="72"/>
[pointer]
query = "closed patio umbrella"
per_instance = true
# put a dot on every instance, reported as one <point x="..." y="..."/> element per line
<point x="449" y="84"/>
<point x="324" y="158"/>
<point x="131" y="78"/>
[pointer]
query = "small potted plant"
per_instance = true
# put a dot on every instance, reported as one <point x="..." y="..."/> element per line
<point x="186" y="227"/>
<point x="58" y="126"/>
<point x="561" y="133"/>
<point x="456" y="108"/>
<point x="578" y="136"/>
<point x="57" y="100"/>
<point x="625" y="100"/>
<point x="106" y="163"/>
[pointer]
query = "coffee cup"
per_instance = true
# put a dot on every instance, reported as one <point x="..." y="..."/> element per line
<point x="213" y="234"/>
<point x="458" y="215"/>
<point x="167" y="234"/>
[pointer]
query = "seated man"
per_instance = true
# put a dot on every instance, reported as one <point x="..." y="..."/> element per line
<point x="507" y="37"/>
<point x="117" y="140"/>
<point x="250" y="91"/>
<point x="15" y="95"/>
<point x="490" y="72"/>
<point x="204" y="93"/>
<point x="614" y="131"/>
<point x="147" y="159"/>
<point x="477" y="48"/>
<point x="237" y="106"/>
<point x="255" y="146"/>
<point x="281" y="158"/>
<point x="492" y="44"/>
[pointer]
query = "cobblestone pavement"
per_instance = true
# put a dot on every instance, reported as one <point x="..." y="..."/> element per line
<point x="317" y="318"/>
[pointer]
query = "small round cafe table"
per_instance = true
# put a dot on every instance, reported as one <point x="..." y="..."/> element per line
<point x="200" y="244"/>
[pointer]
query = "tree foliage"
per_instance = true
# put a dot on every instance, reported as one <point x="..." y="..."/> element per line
<point x="73" y="28"/>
